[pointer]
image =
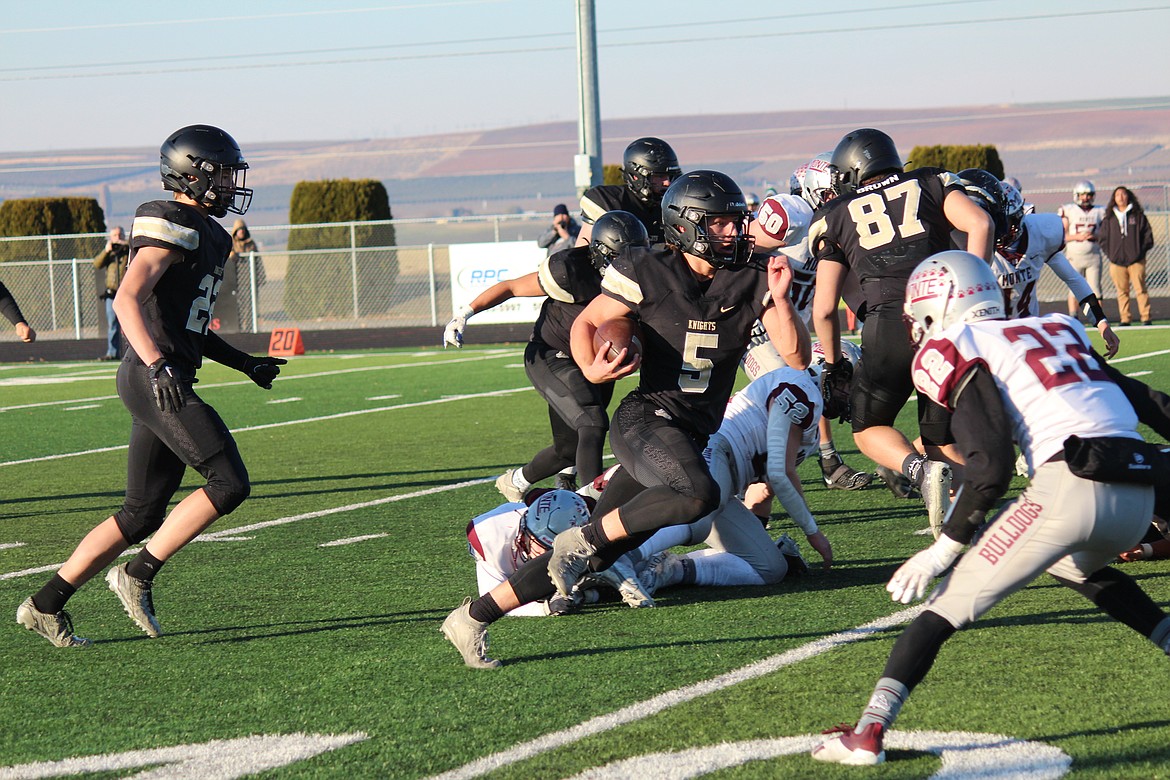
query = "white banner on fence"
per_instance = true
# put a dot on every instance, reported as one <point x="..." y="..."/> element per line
<point x="476" y="267"/>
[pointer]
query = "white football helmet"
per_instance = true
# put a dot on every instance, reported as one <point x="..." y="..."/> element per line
<point x="1084" y="192"/>
<point x="817" y="184"/>
<point x="796" y="180"/>
<point x="950" y="287"/>
<point x="551" y="513"/>
<point x="848" y="349"/>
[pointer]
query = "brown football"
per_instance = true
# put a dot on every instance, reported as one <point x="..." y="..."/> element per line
<point x="622" y="333"/>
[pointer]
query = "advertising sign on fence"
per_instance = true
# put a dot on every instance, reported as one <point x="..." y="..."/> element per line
<point x="476" y="267"/>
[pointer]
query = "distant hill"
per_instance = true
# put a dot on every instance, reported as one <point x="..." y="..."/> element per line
<point x="1046" y="146"/>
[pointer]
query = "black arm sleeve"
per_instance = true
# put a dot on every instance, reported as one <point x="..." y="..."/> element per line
<point x="983" y="435"/>
<point x="8" y="306"/>
<point x="222" y="352"/>
<point x="1091" y="306"/>
<point x="1152" y="406"/>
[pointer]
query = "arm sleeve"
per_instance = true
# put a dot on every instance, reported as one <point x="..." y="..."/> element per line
<point x="779" y="427"/>
<point x="223" y="353"/>
<point x="8" y="306"/>
<point x="980" y="426"/>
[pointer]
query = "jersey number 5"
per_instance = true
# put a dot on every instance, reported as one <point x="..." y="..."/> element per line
<point x="875" y="227"/>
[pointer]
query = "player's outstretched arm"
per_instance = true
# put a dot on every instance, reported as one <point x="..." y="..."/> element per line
<point x="785" y="328"/>
<point x="527" y="286"/>
<point x="261" y="370"/>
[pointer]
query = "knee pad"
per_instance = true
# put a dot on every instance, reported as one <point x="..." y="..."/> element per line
<point x="138" y="520"/>
<point x="227" y="482"/>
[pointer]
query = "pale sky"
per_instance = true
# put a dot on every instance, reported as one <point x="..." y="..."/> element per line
<point x="80" y="75"/>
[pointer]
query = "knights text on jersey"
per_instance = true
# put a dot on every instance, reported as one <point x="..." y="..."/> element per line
<point x="1018" y="266"/>
<point x="616" y="197"/>
<point x="181" y="306"/>
<point x="693" y="335"/>
<point x="885" y="229"/>
<point x="1052" y="385"/>
<point x="570" y="281"/>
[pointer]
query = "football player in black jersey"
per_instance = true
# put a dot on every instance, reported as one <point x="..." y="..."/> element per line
<point x="649" y="166"/>
<point x="576" y="407"/>
<point x="696" y="300"/>
<point x="165" y="302"/>
<point x="12" y="313"/>
<point x="883" y="222"/>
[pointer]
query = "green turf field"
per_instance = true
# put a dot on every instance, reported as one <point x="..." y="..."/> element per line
<point x="326" y="661"/>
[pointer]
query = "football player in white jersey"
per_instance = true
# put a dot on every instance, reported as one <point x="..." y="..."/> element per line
<point x="1081" y="220"/>
<point x="768" y="430"/>
<point x="1037" y="381"/>
<point x="1031" y="242"/>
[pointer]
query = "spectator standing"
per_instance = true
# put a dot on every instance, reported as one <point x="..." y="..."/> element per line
<point x="1081" y="220"/>
<point x="234" y="308"/>
<point x="113" y="259"/>
<point x="1126" y="237"/>
<point x="563" y="233"/>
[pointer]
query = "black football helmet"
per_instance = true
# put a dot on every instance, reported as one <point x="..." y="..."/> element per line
<point x="861" y="155"/>
<point x="206" y="164"/>
<point x="984" y="188"/>
<point x="686" y="208"/>
<point x="644" y="161"/>
<point x="612" y="232"/>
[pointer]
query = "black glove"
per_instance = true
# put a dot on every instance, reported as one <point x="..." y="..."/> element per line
<point x="836" y="385"/>
<point x="262" y="370"/>
<point x="166" y="385"/>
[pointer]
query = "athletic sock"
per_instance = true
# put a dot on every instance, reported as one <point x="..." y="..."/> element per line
<point x="519" y="480"/>
<point x="914" y="467"/>
<point x="689" y="574"/>
<point x="884" y="705"/>
<point x="51" y="598"/>
<point x="594" y="535"/>
<point x="144" y="566"/>
<point x="485" y="609"/>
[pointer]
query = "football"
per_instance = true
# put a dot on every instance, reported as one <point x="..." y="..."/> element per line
<point x="622" y="333"/>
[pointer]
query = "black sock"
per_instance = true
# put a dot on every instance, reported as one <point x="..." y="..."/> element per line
<point x="51" y="598"/>
<point x="689" y="574"/>
<point x="594" y="535"/>
<point x="144" y="566"/>
<point x="485" y="609"/>
<point x="914" y="467"/>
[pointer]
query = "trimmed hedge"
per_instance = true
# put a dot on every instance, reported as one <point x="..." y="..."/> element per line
<point x="956" y="158"/>
<point x="612" y="174"/>
<point x="321" y="285"/>
<point x="47" y="217"/>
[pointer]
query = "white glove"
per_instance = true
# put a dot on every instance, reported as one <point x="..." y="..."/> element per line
<point x="453" y="333"/>
<point x="912" y="577"/>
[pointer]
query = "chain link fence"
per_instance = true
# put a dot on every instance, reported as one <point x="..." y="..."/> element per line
<point x="341" y="287"/>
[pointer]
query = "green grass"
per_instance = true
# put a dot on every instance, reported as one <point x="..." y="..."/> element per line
<point x="277" y="635"/>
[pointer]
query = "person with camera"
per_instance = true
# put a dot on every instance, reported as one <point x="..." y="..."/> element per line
<point x="563" y="232"/>
<point x="113" y="258"/>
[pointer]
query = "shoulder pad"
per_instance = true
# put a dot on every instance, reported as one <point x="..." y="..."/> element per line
<point x="1045" y="232"/>
<point x="785" y="217"/>
<point x="166" y="223"/>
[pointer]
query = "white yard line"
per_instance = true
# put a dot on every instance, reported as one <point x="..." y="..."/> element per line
<point x="352" y="540"/>
<point x="301" y="421"/>
<point x="283" y="379"/>
<point x="664" y="701"/>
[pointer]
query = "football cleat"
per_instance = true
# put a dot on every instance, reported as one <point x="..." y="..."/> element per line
<point x="57" y="628"/>
<point x="936" y="494"/>
<point x="469" y="637"/>
<point x="507" y="489"/>
<point x="839" y="476"/>
<point x="898" y="483"/>
<point x="621" y="577"/>
<point x="797" y="566"/>
<point x="135" y="595"/>
<point x="570" y="559"/>
<point x="662" y="571"/>
<point x="851" y="747"/>
<point x="566" y="482"/>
